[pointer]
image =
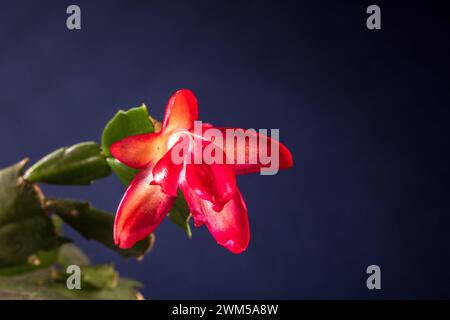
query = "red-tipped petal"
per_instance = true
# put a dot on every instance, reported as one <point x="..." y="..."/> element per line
<point x="166" y="172"/>
<point x="246" y="149"/>
<point x="194" y="203"/>
<point x="229" y="227"/>
<point x="141" y="210"/>
<point x="139" y="150"/>
<point x="215" y="183"/>
<point x="181" y="111"/>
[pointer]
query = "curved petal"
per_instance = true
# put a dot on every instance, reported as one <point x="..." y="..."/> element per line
<point x="166" y="172"/>
<point x="215" y="183"/>
<point x="229" y="227"/>
<point x="246" y="154"/>
<point x="194" y="203"/>
<point x="141" y="210"/>
<point x="181" y="111"/>
<point x="139" y="150"/>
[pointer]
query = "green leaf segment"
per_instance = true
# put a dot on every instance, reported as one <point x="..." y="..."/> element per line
<point x="80" y="164"/>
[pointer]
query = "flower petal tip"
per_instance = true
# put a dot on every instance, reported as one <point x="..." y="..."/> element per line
<point x="235" y="247"/>
<point x="286" y="159"/>
<point x="181" y="111"/>
<point x="125" y="241"/>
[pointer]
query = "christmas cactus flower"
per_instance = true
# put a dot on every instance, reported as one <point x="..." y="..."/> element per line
<point x="202" y="161"/>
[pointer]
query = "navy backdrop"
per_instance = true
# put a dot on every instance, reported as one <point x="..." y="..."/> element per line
<point x="365" y="114"/>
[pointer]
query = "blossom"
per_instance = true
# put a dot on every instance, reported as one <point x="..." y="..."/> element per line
<point x="210" y="189"/>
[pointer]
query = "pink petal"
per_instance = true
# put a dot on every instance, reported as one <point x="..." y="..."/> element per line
<point x="194" y="203"/>
<point x="181" y="111"/>
<point x="229" y="227"/>
<point x="166" y="173"/>
<point x="215" y="183"/>
<point x="141" y="210"/>
<point x="139" y="150"/>
<point x="247" y="150"/>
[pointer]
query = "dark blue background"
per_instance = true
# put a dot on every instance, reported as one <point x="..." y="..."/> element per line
<point x="365" y="114"/>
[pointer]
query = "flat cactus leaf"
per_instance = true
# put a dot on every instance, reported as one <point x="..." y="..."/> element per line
<point x="25" y="227"/>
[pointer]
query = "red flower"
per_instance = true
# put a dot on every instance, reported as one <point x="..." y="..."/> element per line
<point x="210" y="189"/>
